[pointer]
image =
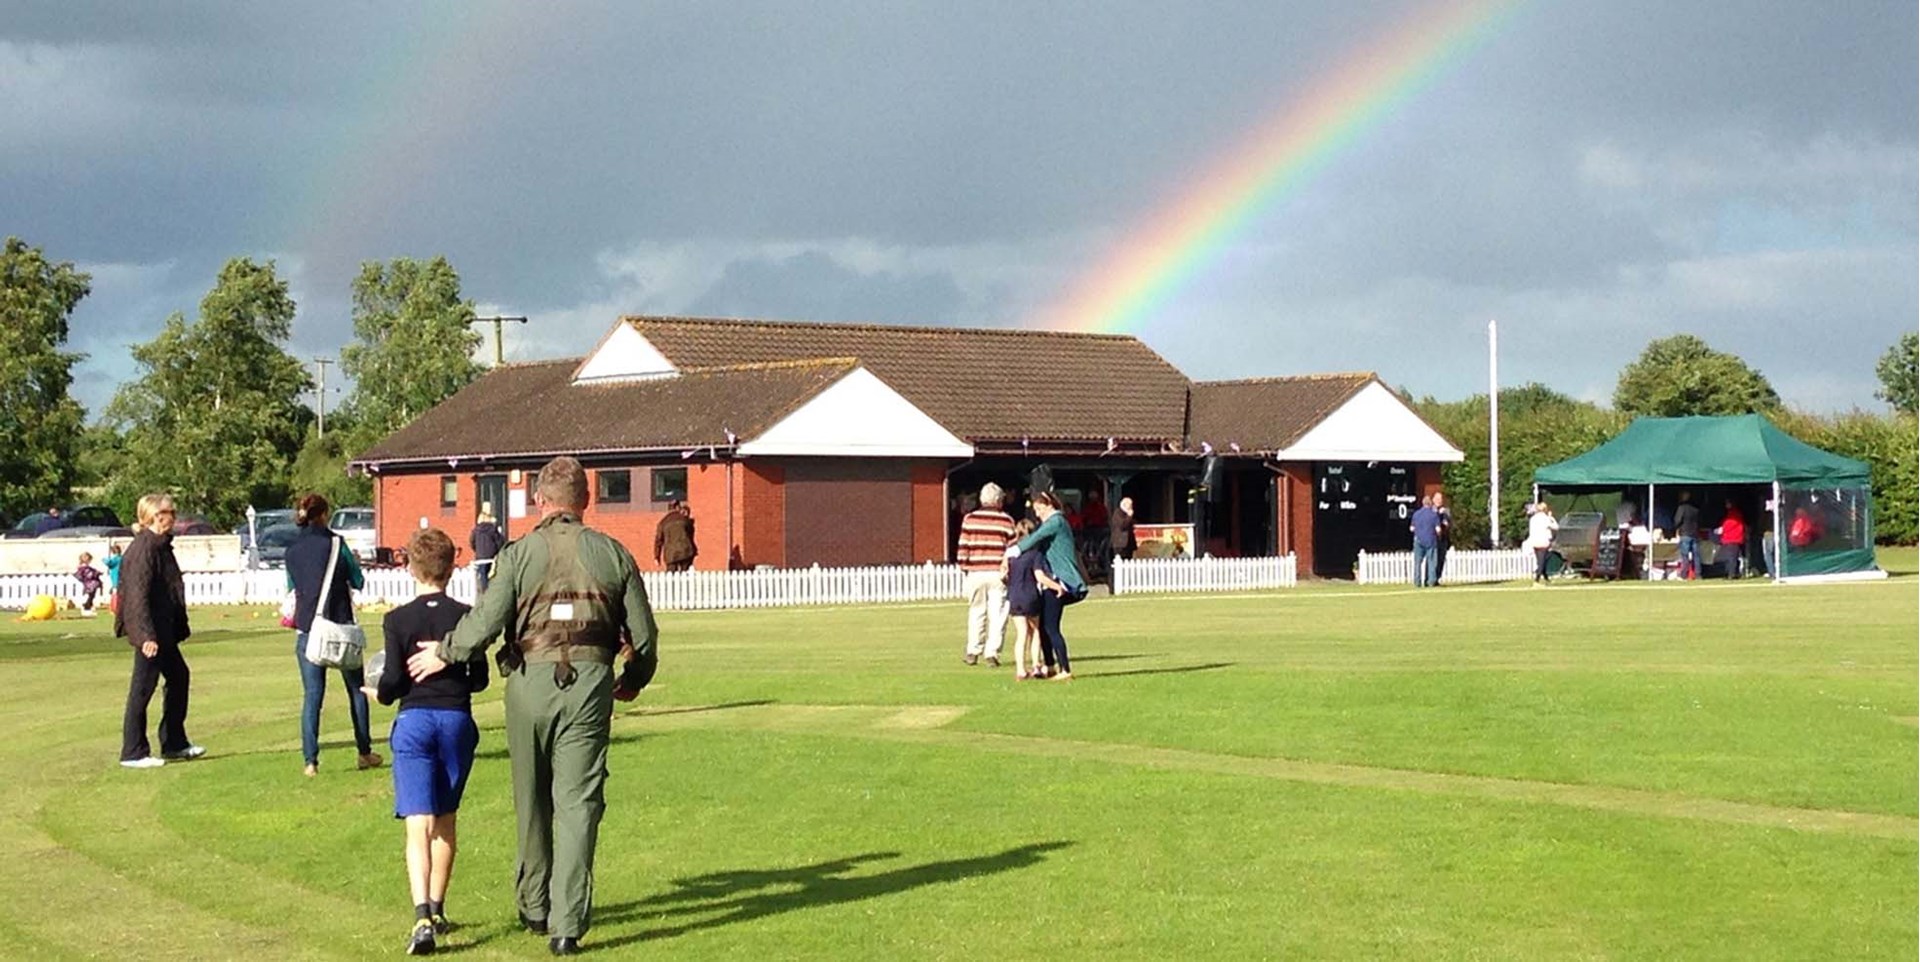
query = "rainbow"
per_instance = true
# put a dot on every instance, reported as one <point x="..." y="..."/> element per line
<point x="1303" y="138"/>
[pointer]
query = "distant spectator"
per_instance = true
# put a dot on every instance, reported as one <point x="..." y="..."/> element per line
<point x="89" y="578"/>
<point x="113" y="569"/>
<point x="1120" y="530"/>
<point x="51" y="521"/>
<point x="984" y="534"/>
<point x="1094" y="514"/>
<point x="486" y="540"/>
<point x="1425" y="526"/>
<point x="1444" y="543"/>
<point x="1541" y="528"/>
<point x="1686" y="525"/>
<point x="1733" y="540"/>
<point x="673" y="544"/>
<point x="1804" y="530"/>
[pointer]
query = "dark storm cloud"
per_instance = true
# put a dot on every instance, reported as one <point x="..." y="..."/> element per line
<point x="1597" y="173"/>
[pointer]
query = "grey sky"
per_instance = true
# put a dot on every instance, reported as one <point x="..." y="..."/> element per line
<point x="1593" y="175"/>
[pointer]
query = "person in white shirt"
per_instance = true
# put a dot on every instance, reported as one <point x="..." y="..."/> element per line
<point x="1540" y="531"/>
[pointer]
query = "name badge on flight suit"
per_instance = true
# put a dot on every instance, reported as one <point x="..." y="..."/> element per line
<point x="561" y="611"/>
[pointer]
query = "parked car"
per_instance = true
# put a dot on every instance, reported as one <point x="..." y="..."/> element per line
<point x="192" y="525"/>
<point x="262" y="520"/>
<point x="78" y="516"/>
<point x="95" y="531"/>
<point x="356" y="526"/>
<point x="274" y="542"/>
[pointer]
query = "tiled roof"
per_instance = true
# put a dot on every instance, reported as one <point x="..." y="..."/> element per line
<point x="1268" y="414"/>
<point x="534" y="409"/>
<point x="980" y="384"/>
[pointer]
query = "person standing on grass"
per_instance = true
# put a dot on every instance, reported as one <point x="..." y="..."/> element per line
<point x="113" y="571"/>
<point x="309" y="557"/>
<point x="1443" y="542"/>
<point x="433" y="735"/>
<point x="1426" y="541"/>
<point x="984" y="535"/>
<point x="1541" y="528"/>
<point x="1055" y="540"/>
<point x="153" y="619"/>
<point x="1023" y="607"/>
<point x="1686" y="524"/>
<point x="565" y="593"/>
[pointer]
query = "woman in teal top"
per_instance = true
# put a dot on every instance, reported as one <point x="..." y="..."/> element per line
<point x="1056" y="540"/>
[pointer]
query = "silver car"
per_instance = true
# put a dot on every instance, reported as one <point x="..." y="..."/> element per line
<point x="356" y="526"/>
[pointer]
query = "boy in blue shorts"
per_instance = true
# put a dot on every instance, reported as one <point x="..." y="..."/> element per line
<point x="433" y="735"/>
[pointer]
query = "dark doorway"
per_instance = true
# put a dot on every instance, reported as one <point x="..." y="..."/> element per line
<point x="490" y="491"/>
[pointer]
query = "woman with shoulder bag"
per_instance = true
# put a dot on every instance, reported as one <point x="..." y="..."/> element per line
<point x="311" y="558"/>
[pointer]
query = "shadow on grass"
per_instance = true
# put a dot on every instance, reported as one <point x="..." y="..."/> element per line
<point x="742" y="896"/>
<point x="1176" y="670"/>
<point x="695" y="709"/>
<point x="1113" y="657"/>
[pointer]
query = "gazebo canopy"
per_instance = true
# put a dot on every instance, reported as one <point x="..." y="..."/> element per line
<point x="1703" y="450"/>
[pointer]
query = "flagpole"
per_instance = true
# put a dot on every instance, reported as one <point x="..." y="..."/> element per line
<point x="1493" y="433"/>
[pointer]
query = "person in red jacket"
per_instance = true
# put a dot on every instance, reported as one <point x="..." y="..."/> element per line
<point x="1733" y="540"/>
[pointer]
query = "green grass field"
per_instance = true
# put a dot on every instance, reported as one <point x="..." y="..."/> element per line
<point x="1696" y="771"/>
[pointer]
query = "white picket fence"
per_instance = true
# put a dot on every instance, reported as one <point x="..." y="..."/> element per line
<point x="1463" y="567"/>
<point x="1202" y="574"/>
<point x="675" y="591"/>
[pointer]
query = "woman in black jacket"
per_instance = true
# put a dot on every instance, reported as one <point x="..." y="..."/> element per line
<point x="153" y="618"/>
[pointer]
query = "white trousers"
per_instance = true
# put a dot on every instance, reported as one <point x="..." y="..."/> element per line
<point x="986" y="612"/>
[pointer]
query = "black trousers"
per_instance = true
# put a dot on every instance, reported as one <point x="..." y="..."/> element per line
<point x="1052" y="641"/>
<point x="166" y="664"/>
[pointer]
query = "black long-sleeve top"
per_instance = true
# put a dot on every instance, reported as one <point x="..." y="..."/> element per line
<point x="429" y="617"/>
<point x="153" y="593"/>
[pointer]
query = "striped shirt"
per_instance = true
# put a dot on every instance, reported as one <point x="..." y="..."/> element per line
<point x="984" y="535"/>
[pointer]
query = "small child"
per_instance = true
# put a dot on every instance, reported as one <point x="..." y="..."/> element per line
<point x="89" y="578"/>
<point x="1026" y="575"/>
<point x="433" y="736"/>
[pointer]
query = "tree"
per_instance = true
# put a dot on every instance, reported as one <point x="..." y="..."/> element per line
<point x="1899" y="372"/>
<point x="415" y="346"/>
<point x="40" y="422"/>
<point x="216" y="416"/>
<point x="1680" y="376"/>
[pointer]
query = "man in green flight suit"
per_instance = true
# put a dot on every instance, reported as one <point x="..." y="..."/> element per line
<point x="564" y="595"/>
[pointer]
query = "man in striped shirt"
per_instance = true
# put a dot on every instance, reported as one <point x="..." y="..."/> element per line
<point x="984" y="535"/>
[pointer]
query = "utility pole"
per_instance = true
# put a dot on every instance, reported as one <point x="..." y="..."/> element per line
<point x="499" y="356"/>
<point x="321" y="363"/>
<point x="1493" y="432"/>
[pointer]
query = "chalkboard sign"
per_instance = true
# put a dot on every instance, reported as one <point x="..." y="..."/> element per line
<point x="1606" y="555"/>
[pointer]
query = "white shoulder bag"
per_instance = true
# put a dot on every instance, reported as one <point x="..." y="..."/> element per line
<point x="329" y="643"/>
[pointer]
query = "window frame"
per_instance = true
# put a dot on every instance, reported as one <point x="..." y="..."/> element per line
<point x="653" y="485"/>
<point x="600" y="477"/>
<point x="449" y="490"/>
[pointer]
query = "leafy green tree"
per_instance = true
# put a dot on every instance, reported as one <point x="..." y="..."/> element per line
<point x="321" y="466"/>
<point x="216" y="414"/>
<point x="1680" y="376"/>
<point x="415" y="345"/>
<point x="40" y="421"/>
<point x="1538" y="426"/>
<point x="1899" y="372"/>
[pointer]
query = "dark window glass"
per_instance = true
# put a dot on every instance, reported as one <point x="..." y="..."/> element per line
<point x="669" y="484"/>
<point x="613" y="487"/>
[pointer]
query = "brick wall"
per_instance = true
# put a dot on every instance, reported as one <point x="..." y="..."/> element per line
<point x="929" y="512"/>
<point x="1295" y="494"/>
<point x="760" y="512"/>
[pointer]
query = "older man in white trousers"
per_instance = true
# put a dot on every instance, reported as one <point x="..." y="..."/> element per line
<point x="984" y="535"/>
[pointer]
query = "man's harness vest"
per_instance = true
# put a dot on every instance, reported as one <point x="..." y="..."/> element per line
<point x="569" y="616"/>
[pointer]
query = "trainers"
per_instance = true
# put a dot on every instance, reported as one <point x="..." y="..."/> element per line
<point x="440" y="924"/>
<point x="972" y="659"/>
<point x="993" y="661"/>
<point x="186" y="754"/>
<point x="147" y="762"/>
<point x="421" y="941"/>
<point x="536" y="926"/>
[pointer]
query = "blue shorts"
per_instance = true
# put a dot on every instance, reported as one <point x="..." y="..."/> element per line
<point x="432" y="754"/>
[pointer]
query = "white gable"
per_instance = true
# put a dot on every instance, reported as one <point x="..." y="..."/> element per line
<point x="860" y="417"/>
<point x="1374" y="425"/>
<point x="623" y="355"/>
